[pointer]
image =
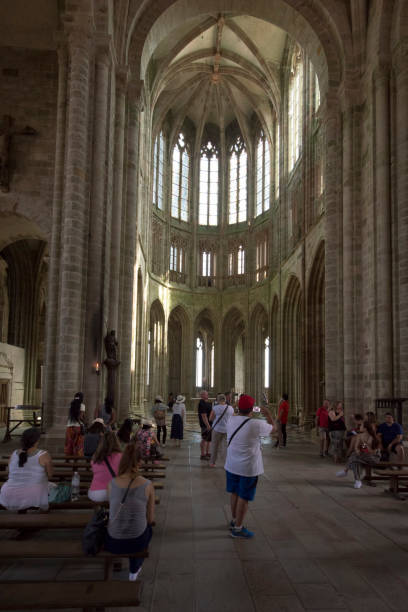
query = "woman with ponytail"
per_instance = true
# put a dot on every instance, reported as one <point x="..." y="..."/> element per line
<point x="131" y="510"/>
<point x="28" y="472"/>
<point x="75" y="432"/>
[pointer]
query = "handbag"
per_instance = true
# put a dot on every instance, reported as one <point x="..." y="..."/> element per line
<point x="59" y="493"/>
<point x="95" y="531"/>
<point x="206" y="435"/>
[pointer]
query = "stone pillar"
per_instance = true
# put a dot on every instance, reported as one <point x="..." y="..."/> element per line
<point x="348" y="263"/>
<point x="55" y="243"/>
<point x="400" y="62"/>
<point x="333" y="275"/>
<point x="116" y="236"/>
<point x="129" y="254"/>
<point x="383" y="258"/>
<point x="74" y="229"/>
<point x="95" y="315"/>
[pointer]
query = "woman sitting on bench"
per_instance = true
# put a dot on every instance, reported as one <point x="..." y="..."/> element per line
<point x="364" y="450"/>
<point x="104" y="465"/>
<point x="29" y="470"/>
<point x="131" y="510"/>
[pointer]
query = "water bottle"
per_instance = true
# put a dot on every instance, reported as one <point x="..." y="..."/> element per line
<point x="75" y="484"/>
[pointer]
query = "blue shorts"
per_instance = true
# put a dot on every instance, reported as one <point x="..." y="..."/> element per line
<point x="243" y="486"/>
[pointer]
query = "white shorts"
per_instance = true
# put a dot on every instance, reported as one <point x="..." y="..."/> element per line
<point x="99" y="495"/>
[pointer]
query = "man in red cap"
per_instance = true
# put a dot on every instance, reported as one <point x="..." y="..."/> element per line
<point x="244" y="460"/>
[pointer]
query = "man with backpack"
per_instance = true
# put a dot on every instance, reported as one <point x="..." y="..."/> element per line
<point x="244" y="460"/>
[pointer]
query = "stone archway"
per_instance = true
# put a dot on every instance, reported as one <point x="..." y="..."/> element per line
<point x="233" y="350"/>
<point x="204" y="332"/>
<point x="275" y="370"/>
<point x="260" y="360"/>
<point x="315" y="335"/>
<point x="178" y="349"/>
<point x="156" y="351"/>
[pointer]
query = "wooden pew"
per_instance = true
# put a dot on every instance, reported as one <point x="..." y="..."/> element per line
<point x="85" y="480"/>
<point x="395" y="478"/>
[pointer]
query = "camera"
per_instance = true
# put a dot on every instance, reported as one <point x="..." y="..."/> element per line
<point x="256" y="409"/>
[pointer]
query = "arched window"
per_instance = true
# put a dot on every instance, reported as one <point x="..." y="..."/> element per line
<point x="263" y="174"/>
<point x="199" y="361"/>
<point x="212" y="365"/>
<point x="277" y="160"/>
<point x="295" y="107"/>
<point x="158" y="172"/>
<point x="208" y="199"/>
<point x="241" y="260"/>
<point x="180" y="180"/>
<point x="267" y="349"/>
<point x="237" y="192"/>
<point x="261" y="256"/>
<point x="149" y="344"/>
<point x="206" y="263"/>
<point x="317" y="94"/>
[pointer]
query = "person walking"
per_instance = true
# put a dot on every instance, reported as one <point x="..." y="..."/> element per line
<point x="322" y="427"/>
<point x="159" y="411"/>
<point x="204" y="411"/>
<point x="337" y="428"/>
<point x="220" y="414"/>
<point x="244" y="463"/>
<point x="282" y="419"/>
<point x="178" y="420"/>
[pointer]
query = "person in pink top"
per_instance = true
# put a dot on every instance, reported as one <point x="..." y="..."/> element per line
<point x="322" y="428"/>
<point x="105" y="465"/>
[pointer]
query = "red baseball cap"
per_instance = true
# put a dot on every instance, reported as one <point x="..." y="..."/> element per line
<point x="245" y="403"/>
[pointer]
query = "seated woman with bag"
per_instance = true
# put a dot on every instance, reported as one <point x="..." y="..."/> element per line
<point x="104" y="464"/>
<point x="147" y="440"/>
<point x="131" y="510"/>
<point x="28" y="473"/>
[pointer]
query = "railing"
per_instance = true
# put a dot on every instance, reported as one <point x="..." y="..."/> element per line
<point x="207" y="281"/>
<point x="392" y="405"/>
<point x="177" y="277"/>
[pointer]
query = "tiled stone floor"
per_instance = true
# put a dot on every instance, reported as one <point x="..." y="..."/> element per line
<point x="319" y="544"/>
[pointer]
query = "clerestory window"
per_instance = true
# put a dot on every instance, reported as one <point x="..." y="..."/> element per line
<point x="237" y="184"/>
<point x="295" y="108"/>
<point x="263" y="175"/>
<point x="208" y="195"/>
<point x="158" y="172"/>
<point x="180" y="180"/>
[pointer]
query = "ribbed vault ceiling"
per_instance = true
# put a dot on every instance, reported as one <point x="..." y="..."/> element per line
<point x="217" y="69"/>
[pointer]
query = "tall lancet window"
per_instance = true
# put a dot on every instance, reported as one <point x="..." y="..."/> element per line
<point x="208" y="199"/>
<point x="295" y="107"/>
<point x="180" y="180"/>
<point x="263" y="174"/>
<point x="158" y="172"/>
<point x="267" y="348"/>
<point x="237" y="184"/>
<point x="199" y="361"/>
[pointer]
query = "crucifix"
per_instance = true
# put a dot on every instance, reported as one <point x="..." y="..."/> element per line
<point x="6" y="133"/>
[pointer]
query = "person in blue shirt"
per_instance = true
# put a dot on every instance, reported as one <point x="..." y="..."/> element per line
<point x="390" y="435"/>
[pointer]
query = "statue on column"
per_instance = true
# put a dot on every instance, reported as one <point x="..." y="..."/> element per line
<point x="111" y="362"/>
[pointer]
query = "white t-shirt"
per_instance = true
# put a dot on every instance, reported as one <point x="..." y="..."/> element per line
<point x="244" y="456"/>
<point x="76" y="423"/>
<point x="221" y="426"/>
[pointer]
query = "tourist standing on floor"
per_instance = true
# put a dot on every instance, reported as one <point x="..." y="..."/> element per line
<point x="337" y="428"/>
<point x="178" y="420"/>
<point x="390" y="436"/>
<point x="322" y="427"/>
<point x="220" y="414"/>
<point x="107" y="413"/>
<point x="75" y="431"/>
<point x="104" y="465"/>
<point x="244" y="460"/>
<point x="364" y="450"/>
<point x="204" y="411"/>
<point x="131" y="510"/>
<point x="28" y="472"/>
<point x="159" y="411"/>
<point x="282" y="419"/>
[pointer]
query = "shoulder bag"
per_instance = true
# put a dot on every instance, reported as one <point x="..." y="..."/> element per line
<point x="237" y="430"/>
<point x="95" y="531"/>
<point x="207" y="434"/>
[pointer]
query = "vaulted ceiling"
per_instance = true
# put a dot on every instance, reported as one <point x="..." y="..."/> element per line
<point x="217" y="69"/>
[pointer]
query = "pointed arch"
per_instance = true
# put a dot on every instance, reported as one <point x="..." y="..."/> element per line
<point x="292" y="337"/>
<point x="155" y="350"/>
<point x="275" y="373"/>
<point x="179" y="344"/>
<point x="233" y="349"/>
<point x="259" y="334"/>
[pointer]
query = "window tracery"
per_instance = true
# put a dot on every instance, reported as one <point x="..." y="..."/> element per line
<point x="263" y="174"/>
<point x="180" y="180"/>
<point x="295" y="107"/>
<point x="262" y="267"/>
<point x="209" y="181"/>
<point x="158" y="172"/>
<point x="237" y="183"/>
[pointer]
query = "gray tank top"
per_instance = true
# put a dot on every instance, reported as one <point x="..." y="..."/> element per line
<point x="128" y="521"/>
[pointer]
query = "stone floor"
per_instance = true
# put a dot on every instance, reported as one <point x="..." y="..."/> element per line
<point x="319" y="544"/>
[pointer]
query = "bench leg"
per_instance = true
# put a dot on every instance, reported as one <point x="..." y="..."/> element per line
<point x="107" y="575"/>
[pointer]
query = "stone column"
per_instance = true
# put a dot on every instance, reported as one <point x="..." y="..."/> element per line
<point x="74" y="229"/>
<point x="382" y="223"/>
<point x="129" y="254"/>
<point x="95" y="315"/>
<point x="116" y="235"/>
<point x="400" y="62"/>
<point x="55" y="244"/>
<point x="333" y="275"/>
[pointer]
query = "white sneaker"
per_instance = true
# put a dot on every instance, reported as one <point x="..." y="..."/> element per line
<point x="358" y="484"/>
<point x="133" y="577"/>
<point x="341" y="473"/>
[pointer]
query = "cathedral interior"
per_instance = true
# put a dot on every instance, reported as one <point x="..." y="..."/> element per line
<point x="222" y="185"/>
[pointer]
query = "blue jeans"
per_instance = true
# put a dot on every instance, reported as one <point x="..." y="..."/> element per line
<point x="128" y="546"/>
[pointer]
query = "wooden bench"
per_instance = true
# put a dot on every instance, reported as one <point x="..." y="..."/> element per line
<point x="85" y="480"/>
<point x="32" y="415"/>
<point x="395" y="477"/>
<point x="62" y="595"/>
<point x="82" y="463"/>
<point x="380" y="470"/>
<point x="84" y="503"/>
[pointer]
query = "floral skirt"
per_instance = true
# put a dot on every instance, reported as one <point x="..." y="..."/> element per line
<point x="74" y="442"/>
